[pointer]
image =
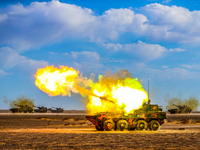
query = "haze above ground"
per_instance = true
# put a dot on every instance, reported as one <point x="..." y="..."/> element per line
<point x="156" y="37"/>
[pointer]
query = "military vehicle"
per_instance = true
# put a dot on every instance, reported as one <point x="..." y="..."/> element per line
<point x="40" y="109"/>
<point x="56" y="110"/>
<point x="180" y="110"/>
<point x="148" y="117"/>
<point x="22" y="109"/>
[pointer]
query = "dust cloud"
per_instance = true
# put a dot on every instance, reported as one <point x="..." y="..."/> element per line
<point x="191" y="102"/>
<point x="21" y="100"/>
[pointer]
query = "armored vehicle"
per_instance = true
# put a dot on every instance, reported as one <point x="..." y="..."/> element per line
<point x="180" y="110"/>
<point x="56" y="110"/>
<point x="148" y="117"/>
<point x="40" y="109"/>
<point x="22" y="109"/>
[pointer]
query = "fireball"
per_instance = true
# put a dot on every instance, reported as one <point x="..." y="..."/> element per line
<point x="107" y="95"/>
<point x="56" y="81"/>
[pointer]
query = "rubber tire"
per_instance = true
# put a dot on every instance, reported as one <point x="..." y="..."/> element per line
<point x="154" y="125"/>
<point x="99" y="128"/>
<point x="109" y="125"/>
<point x="142" y="125"/>
<point x="122" y="125"/>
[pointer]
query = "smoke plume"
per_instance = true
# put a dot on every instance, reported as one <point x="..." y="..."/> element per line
<point x="191" y="102"/>
<point x="22" y="100"/>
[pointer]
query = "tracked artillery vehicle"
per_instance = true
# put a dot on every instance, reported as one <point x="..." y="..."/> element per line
<point x="148" y="117"/>
<point x="184" y="109"/>
<point x="56" y="110"/>
<point x="22" y="109"/>
<point x="40" y="109"/>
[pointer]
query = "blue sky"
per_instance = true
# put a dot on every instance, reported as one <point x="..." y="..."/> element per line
<point x="156" y="37"/>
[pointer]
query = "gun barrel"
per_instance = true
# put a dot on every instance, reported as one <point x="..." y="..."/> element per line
<point x="105" y="99"/>
<point x="19" y="105"/>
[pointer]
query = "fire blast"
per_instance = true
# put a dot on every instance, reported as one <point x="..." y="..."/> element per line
<point x="108" y="94"/>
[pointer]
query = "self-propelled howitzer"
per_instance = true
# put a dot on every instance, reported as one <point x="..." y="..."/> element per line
<point x="180" y="110"/>
<point x="148" y="117"/>
<point x="22" y="109"/>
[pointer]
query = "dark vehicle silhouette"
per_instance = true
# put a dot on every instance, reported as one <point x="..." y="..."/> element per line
<point x="184" y="109"/>
<point x="56" y="110"/>
<point x="40" y="109"/>
<point x="22" y="109"/>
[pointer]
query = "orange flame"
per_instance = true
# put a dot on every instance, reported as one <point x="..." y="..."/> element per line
<point x="108" y="94"/>
<point x="56" y="81"/>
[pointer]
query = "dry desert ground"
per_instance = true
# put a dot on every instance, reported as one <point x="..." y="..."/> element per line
<point x="73" y="131"/>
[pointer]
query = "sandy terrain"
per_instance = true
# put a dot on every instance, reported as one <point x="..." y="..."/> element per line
<point x="73" y="131"/>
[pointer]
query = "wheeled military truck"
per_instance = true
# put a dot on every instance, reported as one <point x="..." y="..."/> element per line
<point x="148" y="117"/>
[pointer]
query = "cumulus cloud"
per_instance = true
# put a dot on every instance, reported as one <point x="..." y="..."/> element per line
<point x="174" y="73"/>
<point x="113" y="46"/>
<point x="40" y="23"/>
<point x="166" y="1"/>
<point x="86" y="55"/>
<point x="143" y="50"/>
<point x="9" y="58"/>
<point x="195" y="67"/>
<point x="176" y="24"/>
<point x="176" y="50"/>
<point x="3" y="72"/>
<point x="86" y="60"/>
<point x="25" y="27"/>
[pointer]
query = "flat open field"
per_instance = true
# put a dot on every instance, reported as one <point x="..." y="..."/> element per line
<point x="73" y="131"/>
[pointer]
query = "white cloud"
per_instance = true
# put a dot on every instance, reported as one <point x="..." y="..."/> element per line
<point x="3" y="72"/>
<point x="87" y="61"/>
<point x="197" y="66"/>
<point x="53" y="53"/>
<point x="86" y="55"/>
<point x="165" y="66"/>
<point x="9" y="58"/>
<point x="115" y="60"/>
<point x="166" y="1"/>
<point x="65" y="54"/>
<point x="176" y="24"/>
<point x="144" y="51"/>
<point x="41" y="23"/>
<point x="113" y="46"/>
<point x="3" y="17"/>
<point x="174" y="73"/>
<point x="176" y="50"/>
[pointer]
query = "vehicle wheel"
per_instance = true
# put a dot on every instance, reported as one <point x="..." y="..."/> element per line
<point x="99" y="128"/>
<point x="154" y="125"/>
<point x="122" y="125"/>
<point x="109" y="125"/>
<point x="142" y="125"/>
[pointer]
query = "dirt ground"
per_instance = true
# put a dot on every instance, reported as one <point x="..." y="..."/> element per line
<point x="75" y="132"/>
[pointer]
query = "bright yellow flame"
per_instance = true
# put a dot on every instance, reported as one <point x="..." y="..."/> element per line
<point x="108" y="94"/>
<point x="56" y="81"/>
<point x="127" y="95"/>
<point x="131" y="98"/>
